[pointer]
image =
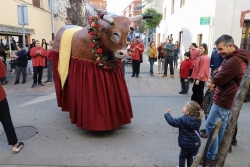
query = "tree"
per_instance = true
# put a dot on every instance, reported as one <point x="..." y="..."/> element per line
<point x="140" y="27"/>
<point x="155" y="21"/>
<point x="59" y="8"/>
<point x="76" y="14"/>
<point x="151" y="23"/>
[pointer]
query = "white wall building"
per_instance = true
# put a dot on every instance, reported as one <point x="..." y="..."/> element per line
<point x="186" y="21"/>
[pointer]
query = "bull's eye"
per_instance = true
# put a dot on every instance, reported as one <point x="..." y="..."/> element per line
<point x="116" y="34"/>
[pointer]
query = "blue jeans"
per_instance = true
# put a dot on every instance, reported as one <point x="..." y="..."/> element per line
<point x="151" y="60"/>
<point x="216" y="113"/>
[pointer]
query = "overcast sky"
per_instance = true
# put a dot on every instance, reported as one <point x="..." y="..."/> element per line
<point x="117" y="6"/>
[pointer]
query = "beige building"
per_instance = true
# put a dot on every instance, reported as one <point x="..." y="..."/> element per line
<point x="39" y="21"/>
<point x="40" y="24"/>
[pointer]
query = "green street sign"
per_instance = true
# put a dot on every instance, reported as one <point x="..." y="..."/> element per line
<point x="205" y="20"/>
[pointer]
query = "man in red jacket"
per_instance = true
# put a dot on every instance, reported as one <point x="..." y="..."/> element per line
<point x="38" y="55"/>
<point x="137" y="48"/>
<point x="227" y="79"/>
<point x="5" y="117"/>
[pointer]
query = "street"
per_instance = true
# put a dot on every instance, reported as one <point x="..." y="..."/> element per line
<point x="147" y="141"/>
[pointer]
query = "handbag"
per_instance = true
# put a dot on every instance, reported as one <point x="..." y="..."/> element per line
<point x="141" y="58"/>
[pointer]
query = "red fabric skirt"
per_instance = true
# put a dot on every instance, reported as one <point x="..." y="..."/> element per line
<point x="96" y="99"/>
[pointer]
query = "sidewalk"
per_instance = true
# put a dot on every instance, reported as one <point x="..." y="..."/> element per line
<point x="147" y="85"/>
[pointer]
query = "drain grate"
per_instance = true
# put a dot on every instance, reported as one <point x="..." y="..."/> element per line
<point x="22" y="132"/>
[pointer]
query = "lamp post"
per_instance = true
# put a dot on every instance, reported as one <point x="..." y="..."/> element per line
<point x="52" y="19"/>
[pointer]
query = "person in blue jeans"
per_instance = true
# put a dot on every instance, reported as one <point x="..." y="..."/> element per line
<point x="189" y="125"/>
<point x="152" y="54"/>
<point x="227" y="79"/>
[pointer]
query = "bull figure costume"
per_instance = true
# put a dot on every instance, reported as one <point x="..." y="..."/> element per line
<point x="94" y="94"/>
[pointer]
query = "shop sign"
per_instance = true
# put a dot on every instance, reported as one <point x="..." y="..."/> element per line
<point x="205" y="20"/>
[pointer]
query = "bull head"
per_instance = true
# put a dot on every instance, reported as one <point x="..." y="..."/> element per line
<point x="117" y="36"/>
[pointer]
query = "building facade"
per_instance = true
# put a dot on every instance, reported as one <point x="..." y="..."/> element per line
<point x="40" y="22"/>
<point x="100" y="5"/>
<point x="203" y="21"/>
<point x="133" y="9"/>
<point x="39" y="26"/>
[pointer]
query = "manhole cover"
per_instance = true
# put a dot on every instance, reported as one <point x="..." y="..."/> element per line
<point x="22" y="132"/>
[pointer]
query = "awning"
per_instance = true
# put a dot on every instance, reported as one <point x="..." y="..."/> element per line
<point x="13" y="29"/>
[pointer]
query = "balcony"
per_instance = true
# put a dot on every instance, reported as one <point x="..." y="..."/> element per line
<point x="138" y="8"/>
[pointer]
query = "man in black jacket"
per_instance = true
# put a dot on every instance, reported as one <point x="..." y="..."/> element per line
<point x="21" y="63"/>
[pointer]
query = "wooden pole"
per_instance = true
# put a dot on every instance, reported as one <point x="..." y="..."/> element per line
<point x="200" y="155"/>
<point x="232" y="121"/>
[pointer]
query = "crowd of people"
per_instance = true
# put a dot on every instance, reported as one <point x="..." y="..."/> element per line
<point x="30" y="60"/>
<point x="227" y="65"/>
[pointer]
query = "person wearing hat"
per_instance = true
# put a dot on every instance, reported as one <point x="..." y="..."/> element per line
<point x="137" y="48"/>
<point x="131" y="34"/>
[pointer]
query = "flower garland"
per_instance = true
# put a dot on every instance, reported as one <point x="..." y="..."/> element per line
<point x="103" y="61"/>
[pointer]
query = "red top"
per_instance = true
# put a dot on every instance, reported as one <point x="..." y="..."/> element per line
<point x="2" y="74"/>
<point x="186" y="65"/>
<point x="201" y="68"/>
<point x="38" y="59"/>
<point x="194" y="55"/>
<point x="136" y="53"/>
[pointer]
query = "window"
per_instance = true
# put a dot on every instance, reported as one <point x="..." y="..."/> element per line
<point x="172" y="7"/>
<point x="182" y="3"/>
<point x="100" y="5"/>
<point x="49" y="4"/>
<point x="36" y="3"/>
<point x="165" y="14"/>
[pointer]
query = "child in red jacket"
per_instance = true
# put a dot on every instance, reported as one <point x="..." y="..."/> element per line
<point x="185" y="73"/>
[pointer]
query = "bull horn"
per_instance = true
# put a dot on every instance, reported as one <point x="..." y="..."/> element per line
<point x="106" y="18"/>
<point x="139" y="17"/>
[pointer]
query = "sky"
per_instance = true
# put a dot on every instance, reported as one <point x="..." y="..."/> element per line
<point x="117" y="6"/>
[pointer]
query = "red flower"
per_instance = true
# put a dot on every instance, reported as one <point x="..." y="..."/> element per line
<point x="92" y="33"/>
<point x="92" y="45"/>
<point x="95" y="25"/>
<point x="107" y="67"/>
<point x="99" y="50"/>
<point x="100" y="61"/>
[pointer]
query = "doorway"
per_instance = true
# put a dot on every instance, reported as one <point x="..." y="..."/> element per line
<point x="245" y="37"/>
<point x="199" y="39"/>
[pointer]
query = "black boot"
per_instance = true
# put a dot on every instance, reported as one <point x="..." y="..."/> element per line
<point x="17" y="82"/>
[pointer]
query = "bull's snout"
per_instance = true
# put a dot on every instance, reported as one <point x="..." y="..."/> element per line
<point x="120" y="54"/>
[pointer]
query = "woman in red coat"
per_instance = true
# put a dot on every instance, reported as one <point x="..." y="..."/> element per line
<point x="5" y="117"/>
<point x="200" y="74"/>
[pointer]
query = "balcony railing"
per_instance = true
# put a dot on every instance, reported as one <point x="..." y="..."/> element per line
<point x="144" y="2"/>
<point x="138" y="8"/>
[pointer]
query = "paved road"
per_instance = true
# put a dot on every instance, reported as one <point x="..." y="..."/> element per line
<point x="147" y="141"/>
